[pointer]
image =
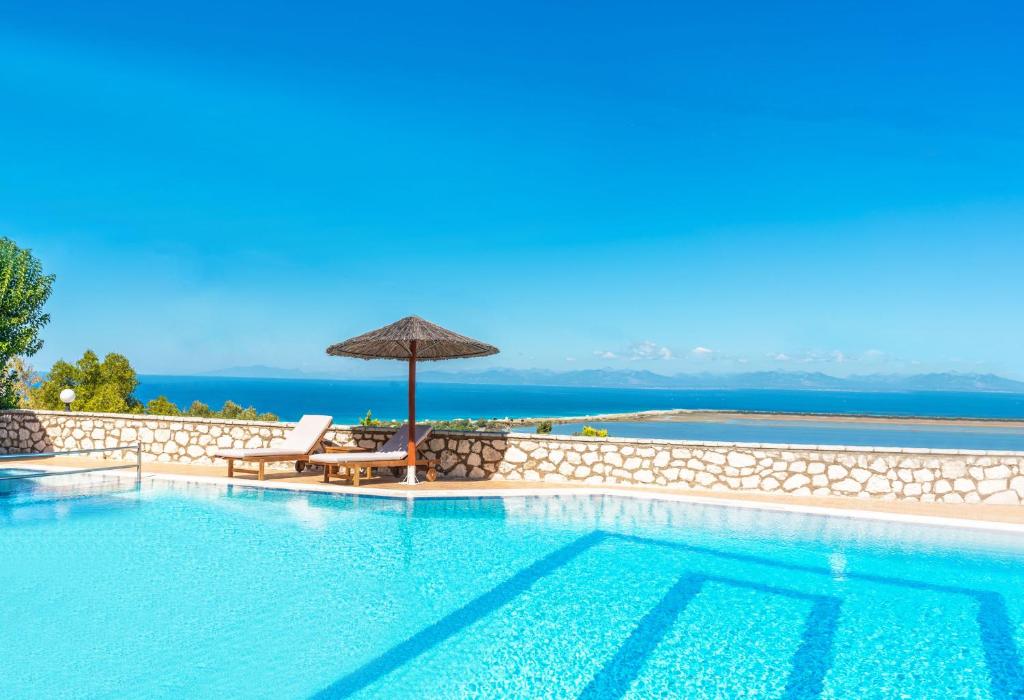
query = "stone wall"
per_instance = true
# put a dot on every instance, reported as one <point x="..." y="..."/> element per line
<point x="886" y="473"/>
<point x="185" y="440"/>
<point x="969" y="476"/>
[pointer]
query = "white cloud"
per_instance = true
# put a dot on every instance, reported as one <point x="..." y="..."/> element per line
<point x="644" y="350"/>
<point x="781" y="357"/>
<point x="570" y="359"/>
<point x="703" y="352"/>
<point x="649" y="350"/>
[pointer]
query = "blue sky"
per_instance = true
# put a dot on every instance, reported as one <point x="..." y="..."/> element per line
<point x="722" y="186"/>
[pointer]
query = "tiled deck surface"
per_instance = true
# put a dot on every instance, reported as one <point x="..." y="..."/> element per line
<point x="985" y="513"/>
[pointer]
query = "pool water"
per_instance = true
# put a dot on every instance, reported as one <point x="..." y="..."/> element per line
<point x="188" y="590"/>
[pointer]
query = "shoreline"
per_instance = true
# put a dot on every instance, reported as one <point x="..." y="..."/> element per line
<point x="686" y="415"/>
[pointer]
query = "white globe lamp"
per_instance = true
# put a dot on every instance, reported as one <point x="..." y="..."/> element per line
<point x="67" y="397"/>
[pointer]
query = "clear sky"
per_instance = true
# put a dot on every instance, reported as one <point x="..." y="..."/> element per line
<point x="668" y="186"/>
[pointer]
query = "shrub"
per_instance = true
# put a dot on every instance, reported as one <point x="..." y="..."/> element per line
<point x="592" y="432"/>
<point x="544" y="427"/>
<point x="469" y="425"/>
<point x="232" y="411"/>
<point x="368" y="420"/>
<point x="162" y="406"/>
<point x="198" y="409"/>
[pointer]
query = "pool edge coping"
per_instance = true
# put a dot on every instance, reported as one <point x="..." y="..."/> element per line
<point x="595" y="490"/>
<point x="773" y="506"/>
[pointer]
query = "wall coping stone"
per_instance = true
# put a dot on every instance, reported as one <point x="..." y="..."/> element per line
<point x="764" y="445"/>
<point x="147" y="416"/>
<point x="380" y="429"/>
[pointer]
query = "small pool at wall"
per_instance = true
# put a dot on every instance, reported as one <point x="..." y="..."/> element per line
<point x="186" y="590"/>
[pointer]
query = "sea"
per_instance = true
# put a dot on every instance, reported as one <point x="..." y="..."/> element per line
<point x="348" y="400"/>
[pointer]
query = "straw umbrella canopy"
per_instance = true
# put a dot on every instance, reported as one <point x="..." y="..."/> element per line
<point x="411" y="339"/>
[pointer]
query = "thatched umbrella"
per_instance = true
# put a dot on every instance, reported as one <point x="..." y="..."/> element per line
<point x="411" y="339"/>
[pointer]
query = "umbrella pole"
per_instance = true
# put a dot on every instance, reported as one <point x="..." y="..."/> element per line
<point x="410" y="471"/>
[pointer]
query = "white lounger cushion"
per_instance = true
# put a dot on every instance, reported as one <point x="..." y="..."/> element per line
<point x="256" y="452"/>
<point x="300" y="440"/>
<point x="343" y="457"/>
<point x="395" y="448"/>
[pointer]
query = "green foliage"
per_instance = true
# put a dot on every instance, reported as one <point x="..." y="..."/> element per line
<point x="108" y="387"/>
<point x="592" y="432"/>
<point x="198" y="409"/>
<point x="103" y="387"/>
<point x="369" y="420"/>
<point x="24" y="290"/>
<point x="25" y="378"/>
<point x="162" y="406"/>
<point x="544" y="427"/>
<point x="232" y="411"/>
<point x="457" y="424"/>
<point x="469" y="425"/>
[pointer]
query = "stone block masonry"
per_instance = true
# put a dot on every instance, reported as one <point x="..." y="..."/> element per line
<point x="946" y="476"/>
<point x="864" y="472"/>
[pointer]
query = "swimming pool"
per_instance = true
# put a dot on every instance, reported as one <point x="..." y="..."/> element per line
<point x="178" y="589"/>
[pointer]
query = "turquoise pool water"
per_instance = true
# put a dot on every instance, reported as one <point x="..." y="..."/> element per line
<point x="185" y="590"/>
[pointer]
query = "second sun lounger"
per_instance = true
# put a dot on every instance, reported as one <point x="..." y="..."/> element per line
<point x="391" y="455"/>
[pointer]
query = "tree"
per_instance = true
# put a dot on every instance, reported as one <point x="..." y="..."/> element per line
<point x="198" y="409"/>
<point x="162" y="406"/>
<point x="101" y="387"/>
<point x="233" y="411"/>
<point x="109" y="387"/>
<point x="24" y="290"/>
<point x="25" y="378"/>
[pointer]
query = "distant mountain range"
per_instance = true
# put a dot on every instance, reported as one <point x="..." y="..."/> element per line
<point x="642" y="379"/>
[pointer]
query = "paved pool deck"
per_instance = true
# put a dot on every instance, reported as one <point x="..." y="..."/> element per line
<point x="1001" y="517"/>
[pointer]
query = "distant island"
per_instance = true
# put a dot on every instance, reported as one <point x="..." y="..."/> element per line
<point x="642" y="379"/>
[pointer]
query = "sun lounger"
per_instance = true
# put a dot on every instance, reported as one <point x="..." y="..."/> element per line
<point x="391" y="455"/>
<point x="298" y="444"/>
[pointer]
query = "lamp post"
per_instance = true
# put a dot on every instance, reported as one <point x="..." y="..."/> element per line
<point x="67" y="397"/>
